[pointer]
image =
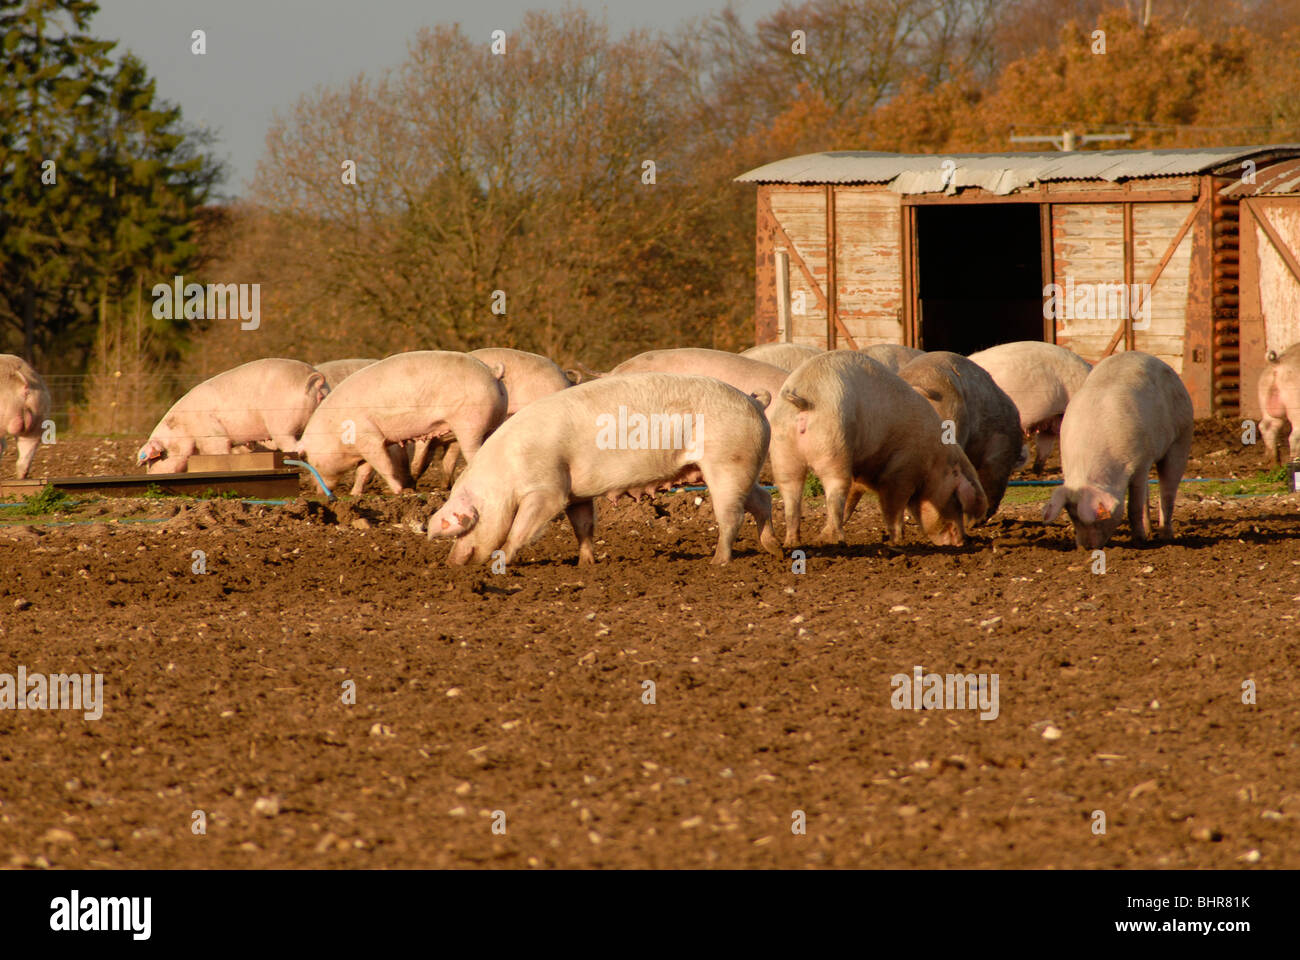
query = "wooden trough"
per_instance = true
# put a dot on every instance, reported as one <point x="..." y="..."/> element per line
<point x="261" y="474"/>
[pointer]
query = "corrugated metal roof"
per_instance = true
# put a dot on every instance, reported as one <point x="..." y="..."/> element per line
<point x="1280" y="178"/>
<point x="1003" y="173"/>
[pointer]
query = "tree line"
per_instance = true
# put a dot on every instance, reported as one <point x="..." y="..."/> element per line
<point x="569" y="192"/>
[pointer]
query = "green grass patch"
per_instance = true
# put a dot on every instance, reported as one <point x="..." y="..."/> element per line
<point x="1263" y="483"/>
<point x="49" y="500"/>
<point x="210" y="494"/>
<point x="812" y="486"/>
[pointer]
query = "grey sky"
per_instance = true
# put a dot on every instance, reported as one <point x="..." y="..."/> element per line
<point x="263" y="54"/>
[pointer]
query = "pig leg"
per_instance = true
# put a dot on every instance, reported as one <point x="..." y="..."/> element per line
<point x="26" y="453"/>
<point x="468" y="439"/>
<point x="1170" y="470"/>
<point x="1044" y="441"/>
<point x="364" y="472"/>
<point x="420" y="454"/>
<point x="855" y="494"/>
<point x="449" y="461"/>
<point x="837" y="489"/>
<point x="1270" y="428"/>
<point x="218" y="444"/>
<point x="893" y="508"/>
<point x="729" y="511"/>
<point x="582" y="515"/>
<point x="1293" y="441"/>
<point x="1138" y="518"/>
<point x="789" y="479"/>
<point x="381" y="459"/>
<point x="535" y="511"/>
<point x="758" y="504"/>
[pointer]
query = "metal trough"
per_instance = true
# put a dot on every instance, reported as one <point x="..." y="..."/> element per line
<point x="244" y="474"/>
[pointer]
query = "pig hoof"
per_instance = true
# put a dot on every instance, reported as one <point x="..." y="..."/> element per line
<point x="720" y="558"/>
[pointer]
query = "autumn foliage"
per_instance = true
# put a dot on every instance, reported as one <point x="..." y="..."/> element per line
<point x="526" y="173"/>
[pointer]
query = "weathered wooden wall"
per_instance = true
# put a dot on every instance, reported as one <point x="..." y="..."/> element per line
<point x="868" y="264"/>
<point x="1270" y="290"/>
<point x="798" y="226"/>
<point x="1155" y="227"/>
<point x="1087" y="248"/>
<point x="868" y="295"/>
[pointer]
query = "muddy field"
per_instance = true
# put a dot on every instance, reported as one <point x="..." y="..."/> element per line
<point x="523" y="692"/>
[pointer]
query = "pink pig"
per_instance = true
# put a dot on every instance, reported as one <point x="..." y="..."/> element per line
<point x="1039" y="378"/>
<point x="858" y="425"/>
<point x="1132" y="412"/>
<point x="787" y="356"/>
<point x="1279" y="399"/>
<point x="420" y="395"/>
<point x="625" y="433"/>
<point x="745" y="374"/>
<point x="265" y="402"/>
<point x="24" y="407"/>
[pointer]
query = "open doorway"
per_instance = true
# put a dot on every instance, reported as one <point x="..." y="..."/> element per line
<point x="980" y="275"/>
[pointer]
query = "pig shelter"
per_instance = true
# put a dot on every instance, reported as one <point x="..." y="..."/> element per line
<point x="1192" y="255"/>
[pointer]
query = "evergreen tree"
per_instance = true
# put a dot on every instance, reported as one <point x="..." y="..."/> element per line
<point x="115" y="209"/>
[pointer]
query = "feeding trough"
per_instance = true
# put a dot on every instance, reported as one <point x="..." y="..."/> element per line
<point x="260" y="474"/>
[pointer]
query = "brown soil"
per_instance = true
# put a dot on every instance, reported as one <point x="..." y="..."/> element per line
<point x="522" y="692"/>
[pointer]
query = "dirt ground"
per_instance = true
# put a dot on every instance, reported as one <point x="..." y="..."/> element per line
<point x="524" y="692"/>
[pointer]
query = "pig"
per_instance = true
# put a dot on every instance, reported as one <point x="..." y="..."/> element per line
<point x="408" y="396"/>
<point x="528" y="377"/>
<point x="856" y="423"/>
<point x="893" y="355"/>
<point x="24" y="407"/>
<point x="1279" y="401"/>
<point x="265" y="402"/>
<point x="1039" y="378"/>
<point x="561" y="452"/>
<point x="986" y="424"/>
<point x="1132" y="411"/>
<point x="787" y="356"/>
<point x="338" y="370"/>
<point x="745" y="374"/>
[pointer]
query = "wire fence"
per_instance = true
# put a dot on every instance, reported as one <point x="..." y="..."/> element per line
<point x="113" y="403"/>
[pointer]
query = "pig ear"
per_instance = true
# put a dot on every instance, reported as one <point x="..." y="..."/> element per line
<point x="316" y="382"/>
<point x="1096" y="504"/>
<point x="453" y="520"/>
<point x="799" y="403"/>
<point x="1054" y="505"/>
<point x="934" y="396"/>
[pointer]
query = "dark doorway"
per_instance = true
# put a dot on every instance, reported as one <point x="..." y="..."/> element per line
<point x="980" y="271"/>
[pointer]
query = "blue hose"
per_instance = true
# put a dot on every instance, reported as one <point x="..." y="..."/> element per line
<point x="304" y="463"/>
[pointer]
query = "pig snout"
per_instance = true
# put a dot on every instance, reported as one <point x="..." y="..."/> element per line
<point x="1089" y="536"/>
